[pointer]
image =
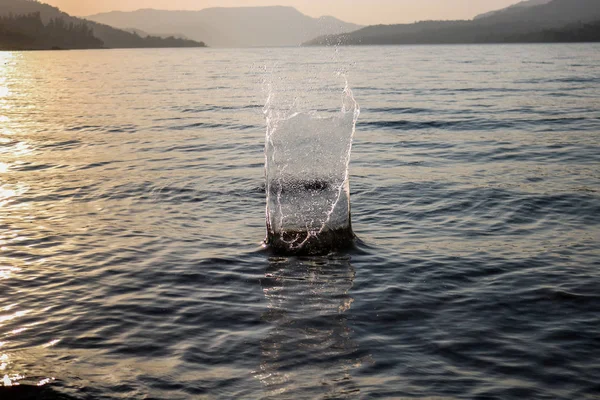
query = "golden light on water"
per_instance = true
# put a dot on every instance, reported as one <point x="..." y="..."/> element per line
<point x="51" y="343"/>
<point x="45" y="381"/>
<point x="5" y="59"/>
<point x="18" y="314"/>
<point x="9" y="307"/>
<point x="5" y="66"/>
<point x="4" y="90"/>
<point x="6" y="195"/>
<point x="5" y="192"/>
<point x="17" y="147"/>
<point x="17" y="331"/>
<point x="8" y="379"/>
<point x="21" y="149"/>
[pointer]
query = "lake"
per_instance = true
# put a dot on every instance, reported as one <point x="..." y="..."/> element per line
<point x="132" y="211"/>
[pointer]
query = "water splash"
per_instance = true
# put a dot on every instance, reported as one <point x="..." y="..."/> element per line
<point x="307" y="156"/>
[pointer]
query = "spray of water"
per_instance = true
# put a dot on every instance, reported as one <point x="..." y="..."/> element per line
<point x="307" y="156"/>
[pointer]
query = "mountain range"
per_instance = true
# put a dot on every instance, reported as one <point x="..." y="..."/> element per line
<point x="530" y="21"/>
<point x="29" y="24"/>
<point x="230" y="27"/>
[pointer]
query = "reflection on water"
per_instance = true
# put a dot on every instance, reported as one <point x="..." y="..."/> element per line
<point x="5" y="58"/>
<point x="309" y="352"/>
<point x="26" y="343"/>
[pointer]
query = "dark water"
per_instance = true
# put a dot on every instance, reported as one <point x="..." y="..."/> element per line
<point x="132" y="211"/>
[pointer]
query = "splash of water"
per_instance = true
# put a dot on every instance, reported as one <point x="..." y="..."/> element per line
<point x="307" y="156"/>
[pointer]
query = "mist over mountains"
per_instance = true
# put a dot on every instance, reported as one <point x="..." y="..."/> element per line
<point x="531" y="21"/>
<point x="230" y="27"/>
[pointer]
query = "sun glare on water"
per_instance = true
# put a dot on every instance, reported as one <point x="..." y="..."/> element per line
<point x="5" y="59"/>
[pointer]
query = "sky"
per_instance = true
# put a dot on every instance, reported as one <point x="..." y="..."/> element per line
<point x="366" y="12"/>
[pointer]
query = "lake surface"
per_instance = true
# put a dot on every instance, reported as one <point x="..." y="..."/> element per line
<point x="132" y="210"/>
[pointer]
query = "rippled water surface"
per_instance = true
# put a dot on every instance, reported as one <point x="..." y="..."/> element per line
<point x="132" y="210"/>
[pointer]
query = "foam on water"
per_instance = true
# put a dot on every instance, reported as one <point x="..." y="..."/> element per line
<point x="307" y="155"/>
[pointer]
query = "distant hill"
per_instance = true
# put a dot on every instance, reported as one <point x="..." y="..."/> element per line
<point x="142" y="33"/>
<point x="526" y="3"/>
<point x="28" y="32"/>
<point x="553" y="14"/>
<point x="511" y="25"/>
<point x="579" y="32"/>
<point x="230" y="27"/>
<point x="110" y="37"/>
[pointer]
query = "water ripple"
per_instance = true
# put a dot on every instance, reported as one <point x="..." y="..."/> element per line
<point x="132" y="213"/>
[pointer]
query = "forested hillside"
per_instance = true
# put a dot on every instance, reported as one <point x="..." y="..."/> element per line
<point x="556" y="20"/>
<point x="27" y="37"/>
<point x="29" y="32"/>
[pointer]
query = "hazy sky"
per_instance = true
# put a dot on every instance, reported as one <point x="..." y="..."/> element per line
<point x="357" y="11"/>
